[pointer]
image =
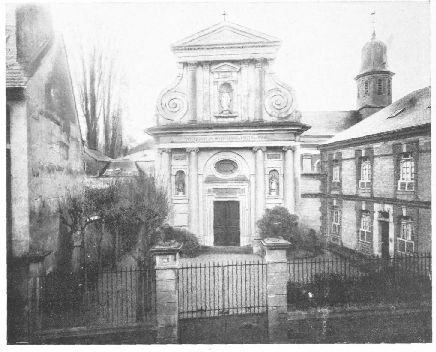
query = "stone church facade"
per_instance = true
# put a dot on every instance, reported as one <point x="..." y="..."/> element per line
<point x="227" y="135"/>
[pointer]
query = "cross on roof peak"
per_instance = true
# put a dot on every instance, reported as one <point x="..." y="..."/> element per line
<point x="224" y="14"/>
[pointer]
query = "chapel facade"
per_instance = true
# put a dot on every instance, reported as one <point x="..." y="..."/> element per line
<point x="227" y="135"/>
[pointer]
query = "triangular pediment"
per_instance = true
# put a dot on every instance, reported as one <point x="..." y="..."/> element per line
<point x="226" y="33"/>
<point x="225" y="67"/>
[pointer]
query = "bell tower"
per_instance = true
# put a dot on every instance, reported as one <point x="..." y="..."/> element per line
<point x="374" y="80"/>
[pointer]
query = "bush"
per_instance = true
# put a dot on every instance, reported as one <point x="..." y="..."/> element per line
<point x="278" y="222"/>
<point x="191" y="246"/>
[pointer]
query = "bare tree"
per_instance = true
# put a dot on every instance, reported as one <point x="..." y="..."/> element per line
<point x="100" y="98"/>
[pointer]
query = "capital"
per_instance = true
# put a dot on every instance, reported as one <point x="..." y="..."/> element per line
<point x="164" y="150"/>
<point x="259" y="63"/>
<point x="263" y="149"/>
<point x="192" y="66"/>
<point x="192" y="150"/>
<point x="288" y="147"/>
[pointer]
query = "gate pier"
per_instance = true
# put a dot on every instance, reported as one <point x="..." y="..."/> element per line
<point x="277" y="278"/>
<point x="167" y="309"/>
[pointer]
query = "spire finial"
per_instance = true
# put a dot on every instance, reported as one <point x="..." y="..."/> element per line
<point x="373" y="24"/>
<point x="224" y="14"/>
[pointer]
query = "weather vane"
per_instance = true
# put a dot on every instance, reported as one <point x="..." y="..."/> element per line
<point x="373" y="20"/>
<point x="224" y="15"/>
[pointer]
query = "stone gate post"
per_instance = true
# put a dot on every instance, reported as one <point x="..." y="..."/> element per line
<point x="277" y="279"/>
<point x="166" y="266"/>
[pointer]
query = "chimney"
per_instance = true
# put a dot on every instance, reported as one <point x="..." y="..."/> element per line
<point x="33" y="30"/>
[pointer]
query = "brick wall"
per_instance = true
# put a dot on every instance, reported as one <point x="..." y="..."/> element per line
<point x="383" y="192"/>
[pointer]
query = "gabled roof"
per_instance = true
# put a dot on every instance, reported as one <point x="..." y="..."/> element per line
<point x="411" y="111"/>
<point x="226" y="33"/>
<point x="328" y="123"/>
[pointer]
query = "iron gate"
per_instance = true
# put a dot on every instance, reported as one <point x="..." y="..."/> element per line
<point x="217" y="289"/>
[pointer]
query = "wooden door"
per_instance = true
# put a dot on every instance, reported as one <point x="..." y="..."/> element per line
<point x="384" y="231"/>
<point x="226" y="223"/>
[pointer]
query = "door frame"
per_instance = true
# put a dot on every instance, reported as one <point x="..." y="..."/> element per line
<point x="232" y="191"/>
<point x="239" y="221"/>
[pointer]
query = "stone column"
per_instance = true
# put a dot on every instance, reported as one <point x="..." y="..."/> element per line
<point x="193" y="189"/>
<point x="167" y="308"/>
<point x="19" y="178"/>
<point x="259" y="73"/>
<point x="277" y="279"/>
<point x="289" y="184"/>
<point x="260" y="181"/>
<point x="192" y="91"/>
<point x="297" y="175"/>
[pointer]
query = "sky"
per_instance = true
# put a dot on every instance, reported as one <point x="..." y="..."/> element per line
<point x="319" y="56"/>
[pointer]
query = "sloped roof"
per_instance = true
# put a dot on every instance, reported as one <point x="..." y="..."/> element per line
<point x="328" y="123"/>
<point x="97" y="155"/>
<point x="120" y="168"/>
<point x="410" y="111"/>
<point x="15" y="76"/>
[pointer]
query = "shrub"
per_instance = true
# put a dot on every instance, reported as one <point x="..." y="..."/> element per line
<point x="278" y="222"/>
<point x="191" y="246"/>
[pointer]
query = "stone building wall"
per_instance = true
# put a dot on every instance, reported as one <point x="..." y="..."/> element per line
<point x="54" y="146"/>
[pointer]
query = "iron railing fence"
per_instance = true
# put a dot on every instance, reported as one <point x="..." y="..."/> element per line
<point x="304" y="270"/>
<point x="107" y="298"/>
<point x="340" y="280"/>
<point x="216" y="289"/>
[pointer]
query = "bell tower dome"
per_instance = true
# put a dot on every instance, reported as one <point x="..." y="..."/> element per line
<point x="374" y="80"/>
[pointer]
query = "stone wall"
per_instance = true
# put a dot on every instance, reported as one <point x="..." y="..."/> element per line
<point x="55" y="151"/>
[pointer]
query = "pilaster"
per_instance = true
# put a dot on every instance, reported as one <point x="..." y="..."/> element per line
<point x="289" y="181"/>
<point x="259" y="73"/>
<point x="192" y="90"/>
<point x="297" y="175"/>
<point x="260" y="181"/>
<point x="193" y="189"/>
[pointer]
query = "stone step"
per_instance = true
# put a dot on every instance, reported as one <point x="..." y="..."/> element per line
<point x="227" y="249"/>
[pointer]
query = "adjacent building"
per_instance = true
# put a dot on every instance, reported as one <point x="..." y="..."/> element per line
<point x="43" y="151"/>
<point x="376" y="195"/>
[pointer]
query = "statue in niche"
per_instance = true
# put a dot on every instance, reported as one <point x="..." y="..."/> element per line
<point x="180" y="183"/>
<point x="273" y="183"/>
<point x="225" y="98"/>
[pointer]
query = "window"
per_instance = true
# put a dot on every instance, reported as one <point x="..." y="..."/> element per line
<point x="336" y="172"/>
<point x="365" y="174"/>
<point x="365" y="233"/>
<point x="366" y="87"/>
<point x="405" y="241"/>
<point x="336" y="222"/>
<point x="407" y="173"/>
<point x="379" y="86"/>
<point x="389" y="87"/>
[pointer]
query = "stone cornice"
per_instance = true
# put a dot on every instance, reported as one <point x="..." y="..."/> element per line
<point x="296" y="127"/>
<point x="395" y="201"/>
<point x="424" y="129"/>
